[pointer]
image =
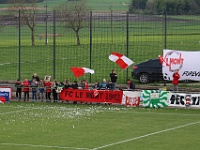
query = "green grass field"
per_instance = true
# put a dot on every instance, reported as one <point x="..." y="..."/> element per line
<point x="33" y="126"/>
<point x="104" y="5"/>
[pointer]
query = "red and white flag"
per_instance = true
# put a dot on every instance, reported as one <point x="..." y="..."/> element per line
<point x="95" y="93"/>
<point x="121" y="60"/>
<point x="80" y="71"/>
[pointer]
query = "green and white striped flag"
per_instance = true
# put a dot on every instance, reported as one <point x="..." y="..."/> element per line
<point x="154" y="98"/>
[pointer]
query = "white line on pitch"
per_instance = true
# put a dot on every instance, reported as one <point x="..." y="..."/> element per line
<point x="143" y="136"/>
<point x="44" y="146"/>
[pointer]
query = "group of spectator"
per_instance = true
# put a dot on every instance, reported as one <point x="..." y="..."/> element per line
<point x="43" y="89"/>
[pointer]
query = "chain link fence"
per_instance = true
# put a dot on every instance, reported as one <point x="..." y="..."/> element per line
<point x="55" y="49"/>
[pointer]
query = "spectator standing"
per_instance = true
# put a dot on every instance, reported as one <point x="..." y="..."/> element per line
<point x="103" y="85"/>
<point x="110" y="85"/>
<point x="26" y="86"/>
<point x="175" y="82"/>
<point x="113" y="78"/>
<point x="35" y="76"/>
<point x="130" y="84"/>
<point x="61" y="84"/>
<point x="67" y="84"/>
<point x="41" y="90"/>
<point x="18" y="85"/>
<point x="60" y="87"/>
<point x="47" y="85"/>
<point x="34" y="85"/>
<point x="96" y="85"/>
<point x="84" y="84"/>
<point x="54" y="89"/>
<point x="74" y="85"/>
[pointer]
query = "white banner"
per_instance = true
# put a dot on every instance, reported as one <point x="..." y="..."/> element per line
<point x="7" y="89"/>
<point x="187" y="62"/>
<point x="180" y="99"/>
<point x="133" y="94"/>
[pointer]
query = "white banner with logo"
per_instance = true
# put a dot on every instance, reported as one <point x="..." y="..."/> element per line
<point x="187" y="62"/>
<point x="131" y="98"/>
<point x="6" y="89"/>
<point x="182" y="99"/>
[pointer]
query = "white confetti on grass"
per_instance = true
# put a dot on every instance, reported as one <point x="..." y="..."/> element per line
<point x="54" y="112"/>
<point x="40" y="116"/>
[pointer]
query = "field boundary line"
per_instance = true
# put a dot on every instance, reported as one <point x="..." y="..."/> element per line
<point x="44" y="146"/>
<point x="146" y="135"/>
<point x="16" y="111"/>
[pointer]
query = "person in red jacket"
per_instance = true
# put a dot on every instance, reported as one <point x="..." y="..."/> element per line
<point x="26" y="85"/>
<point x="47" y="85"/>
<point x="175" y="82"/>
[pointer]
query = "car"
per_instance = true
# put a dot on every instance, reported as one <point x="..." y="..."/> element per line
<point x="148" y="71"/>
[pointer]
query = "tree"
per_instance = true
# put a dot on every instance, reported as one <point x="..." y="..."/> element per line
<point x="137" y="5"/>
<point x="174" y="7"/>
<point x="74" y="16"/>
<point x="27" y="14"/>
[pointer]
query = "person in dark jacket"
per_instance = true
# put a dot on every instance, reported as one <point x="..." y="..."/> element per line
<point x="130" y="84"/>
<point x="113" y="78"/>
<point x="54" y="89"/>
<point x="35" y="76"/>
<point x="34" y="85"/>
<point x="110" y="85"/>
<point x="96" y="85"/>
<point x="74" y="85"/>
<point x="67" y="84"/>
<point x="18" y="85"/>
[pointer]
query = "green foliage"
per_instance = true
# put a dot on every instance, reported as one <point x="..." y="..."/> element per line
<point x="172" y="7"/>
<point x="137" y="5"/>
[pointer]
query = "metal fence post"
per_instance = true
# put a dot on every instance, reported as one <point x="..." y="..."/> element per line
<point x="46" y="28"/>
<point x="90" y="44"/>
<point x="54" y="44"/>
<point x="127" y="39"/>
<point x="165" y="33"/>
<point x="19" y="47"/>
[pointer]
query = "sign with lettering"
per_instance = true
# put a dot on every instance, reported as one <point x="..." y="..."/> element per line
<point x="184" y="61"/>
<point x="184" y="99"/>
<point x="102" y="96"/>
<point x="7" y="89"/>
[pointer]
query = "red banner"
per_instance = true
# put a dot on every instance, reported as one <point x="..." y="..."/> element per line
<point x="98" y="96"/>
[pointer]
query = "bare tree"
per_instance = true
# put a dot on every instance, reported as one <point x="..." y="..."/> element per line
<point x="74" y="16"/>
<point x="28" y="15"/>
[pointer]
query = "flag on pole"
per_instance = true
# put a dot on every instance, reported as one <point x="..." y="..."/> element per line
<point x="121" y="60"/>
<point x="160" y="59"/>
<point x="80" y="71"/>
